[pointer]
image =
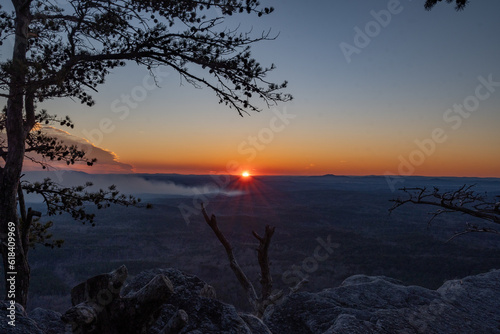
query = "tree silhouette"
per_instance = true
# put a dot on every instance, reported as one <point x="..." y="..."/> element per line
<point x="459" y="4"/>
<point x="267" y="297"/>
<point x="464" y="200"/>
<point x="42" y="149"/>
<point x="67" y="48"/>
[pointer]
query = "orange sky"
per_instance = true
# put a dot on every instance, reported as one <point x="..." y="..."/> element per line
<point x="291" y="156"/>
<point x="365" y="115"/>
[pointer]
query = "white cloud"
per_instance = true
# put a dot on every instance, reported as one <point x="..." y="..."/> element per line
<point x="107" y="161"/>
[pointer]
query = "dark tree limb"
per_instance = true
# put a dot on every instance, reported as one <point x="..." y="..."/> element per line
<point x="463" y="200"/>
<point x="267" y="297"/>
<point x="26" y="219"/>
<point x="470" y="228"/>
<point x="68" y="50"/>
<point x="22" y="203"/>
<point x="266" y="280"/>
<point x="74" y="200"/>
<point x="235" y="267"/>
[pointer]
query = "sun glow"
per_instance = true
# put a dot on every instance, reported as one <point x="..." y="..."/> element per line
<point x="245" y="174"/>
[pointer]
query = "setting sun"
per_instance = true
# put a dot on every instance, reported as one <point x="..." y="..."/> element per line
<point x="245" y="174"/>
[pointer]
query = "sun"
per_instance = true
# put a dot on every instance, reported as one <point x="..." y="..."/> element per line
<point x="245" y="174"/>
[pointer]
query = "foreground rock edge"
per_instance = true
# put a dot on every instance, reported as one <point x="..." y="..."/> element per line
<point x="362" y="304"/>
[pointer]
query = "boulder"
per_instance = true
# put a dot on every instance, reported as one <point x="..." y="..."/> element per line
<point x="23" y="324"/>
<point x="185" y="286"/>
<point x="255" y="324"/>
<point x="99" y="307"/>
<point x="49" y="321"/>
<point x="197" y="299"/>
<point x="364" y="304"/>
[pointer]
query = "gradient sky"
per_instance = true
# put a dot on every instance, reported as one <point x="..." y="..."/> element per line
<point x="353" y="118"/>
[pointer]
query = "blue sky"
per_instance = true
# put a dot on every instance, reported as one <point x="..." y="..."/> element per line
<point x="358" y="117"/>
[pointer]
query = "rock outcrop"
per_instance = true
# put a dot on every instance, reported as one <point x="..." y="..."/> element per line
<point x="362" y="304"/>
<point x="196" y="298"/>
<point x="49" y="321"/>
<point x="23" y="324"/>
<point x="99" y="306"/>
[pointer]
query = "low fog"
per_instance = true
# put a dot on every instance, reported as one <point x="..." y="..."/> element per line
<point x="126" y="184"/>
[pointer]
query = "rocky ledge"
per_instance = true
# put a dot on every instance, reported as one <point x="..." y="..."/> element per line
<point x="362" y="304"/>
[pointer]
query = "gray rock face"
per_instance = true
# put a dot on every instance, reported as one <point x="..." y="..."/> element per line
<point x="23" y="324"/>
<point x="205" y="314"/>
<point x="49" y="321"/>
<point x="362" y="304"/>
<point x="256" y="325"/>
<point x="365" y="304"/>
<point x="185" y="286"/>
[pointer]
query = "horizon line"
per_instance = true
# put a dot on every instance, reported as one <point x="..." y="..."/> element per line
<point x="265" y="175"/>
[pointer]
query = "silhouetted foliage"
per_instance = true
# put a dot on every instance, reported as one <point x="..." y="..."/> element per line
<point x="71" y="50"/>
<point x="67" y="48"/>
<point x="43" y="149"/>
<point x="459" y="4"/>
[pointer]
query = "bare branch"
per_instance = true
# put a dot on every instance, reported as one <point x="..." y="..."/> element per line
<point x="473" y="229"/>
<point x="463" y="200"/>
<point x="240" y="275"/>
<point x="267" y="296"/>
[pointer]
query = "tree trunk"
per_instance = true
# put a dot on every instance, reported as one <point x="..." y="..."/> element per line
<point x="16" y="267"/>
